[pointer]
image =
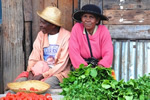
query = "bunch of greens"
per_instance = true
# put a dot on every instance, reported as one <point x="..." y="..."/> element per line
<point x="97" y="83"/>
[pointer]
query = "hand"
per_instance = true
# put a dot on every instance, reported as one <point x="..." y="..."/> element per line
<point x="30" y="76"/>
<point x="93" y="61"/>
<point x="46" y="74"/>
<point x="38" y="77"/>
<point x="100" y="66"/>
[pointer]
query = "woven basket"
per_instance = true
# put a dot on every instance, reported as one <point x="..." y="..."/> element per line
<point x="17" y="86"/>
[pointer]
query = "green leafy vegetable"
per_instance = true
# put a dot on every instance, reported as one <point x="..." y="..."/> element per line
<point x="86" y="83"/>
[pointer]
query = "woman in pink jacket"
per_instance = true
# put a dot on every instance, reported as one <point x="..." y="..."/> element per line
<point x="49" y="59"/>
<point x="88" y="21"/>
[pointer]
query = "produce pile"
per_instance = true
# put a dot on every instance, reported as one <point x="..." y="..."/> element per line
<point x="26" y="96"/>
<point x="86" y="83"/>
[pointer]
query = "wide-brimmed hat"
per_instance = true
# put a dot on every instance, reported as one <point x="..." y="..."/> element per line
<point x="89" y="8"/>
<point x="52" y="15"/>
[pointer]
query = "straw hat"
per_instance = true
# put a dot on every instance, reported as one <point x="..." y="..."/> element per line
<point x="51" y="14"/>
<point x="89" y="8"/>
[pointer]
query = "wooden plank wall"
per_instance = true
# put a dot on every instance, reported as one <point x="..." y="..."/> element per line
<point x="133" y="12"/>
<point x="129" y="19"/>
<point x="12" y="30"/>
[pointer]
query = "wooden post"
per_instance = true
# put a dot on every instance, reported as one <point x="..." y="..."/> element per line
<point x="27" y="5"/>
<point x="63" y="5"/>
<point x="1" y="68"/>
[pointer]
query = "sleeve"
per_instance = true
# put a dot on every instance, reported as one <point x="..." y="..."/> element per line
<point x="74" y="51"/>
<point x="107" y="49"/>
<point x="35" y="54"/>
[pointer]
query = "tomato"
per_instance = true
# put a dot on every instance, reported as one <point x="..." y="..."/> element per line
<point x="36" y="90"/>
<point x="22" y="88"/>
<point x="2" y="98"/>
<point x="8" y="94"/>
<point x="19" y="93"/>
<point x="32" y="89"/>
<point x="26" y="96"/>
<point x="47" y="95"/>
<point x="49" y="98"/>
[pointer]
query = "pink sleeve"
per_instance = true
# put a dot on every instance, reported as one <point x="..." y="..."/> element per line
<point x="35" y="54"/>
<point x="107" y="49"/>
<point x="74" y="51"/>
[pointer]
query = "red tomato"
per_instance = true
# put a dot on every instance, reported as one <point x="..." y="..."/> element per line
<point x="32" y="89"/>
<point x="8" y="94"/>
<point x="47" y="95"/>
<point x="36" y="90"/>
<point x="22" y="88"/>
<point x="2" y="98"/>
<point x="49" y="98"/>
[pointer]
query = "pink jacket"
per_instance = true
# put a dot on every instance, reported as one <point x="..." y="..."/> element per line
<point x="101" y="45"/>
<point x="62" y="63"/>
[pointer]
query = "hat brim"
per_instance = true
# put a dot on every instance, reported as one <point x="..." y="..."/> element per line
<point x="77" y="15"/>
<point x="49" y="20"/>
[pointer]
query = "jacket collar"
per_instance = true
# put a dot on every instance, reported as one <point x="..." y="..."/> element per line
<point x="93" y="31"/>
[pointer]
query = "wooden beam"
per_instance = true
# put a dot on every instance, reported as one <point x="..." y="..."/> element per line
<point x="27" y="4"/>
<point x="131" y="32"/>
<point x="28" y="41"/>
<point x="75" y="8"/>
<point x="126" y="4"/>
<point x="1" y="61"/>
<point x="37" y="5"/>
<point x="66" y="7"/>
<point x="50" y="3"/>
<point x="128" y="17"/>
<point x="97" y="2"/>
<point x="84" y="2"/>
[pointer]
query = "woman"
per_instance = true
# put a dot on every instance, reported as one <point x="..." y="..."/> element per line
<point x="52" y="41"/>
<point x="88" y="20"/>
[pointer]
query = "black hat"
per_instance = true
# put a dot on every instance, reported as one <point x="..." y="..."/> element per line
<point x="89" y="8"/>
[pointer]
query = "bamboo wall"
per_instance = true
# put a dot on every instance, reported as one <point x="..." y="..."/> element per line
<point x="129" y="27"/>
